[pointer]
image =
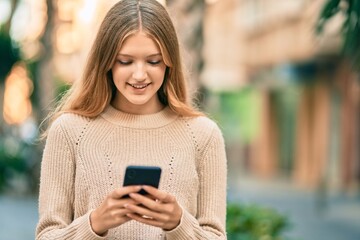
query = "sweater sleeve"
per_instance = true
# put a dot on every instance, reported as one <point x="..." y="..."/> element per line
<point x="209" y="223"/>
<point x="56" y="195"/>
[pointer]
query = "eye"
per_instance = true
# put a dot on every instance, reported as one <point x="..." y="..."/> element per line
<point x="124" y="62"/>
<point x="154" y="62"/>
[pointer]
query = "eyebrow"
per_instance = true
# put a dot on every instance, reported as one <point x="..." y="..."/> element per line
<point x="151" y="55"/>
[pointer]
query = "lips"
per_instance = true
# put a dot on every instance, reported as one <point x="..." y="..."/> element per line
<point x="139" y="86"/>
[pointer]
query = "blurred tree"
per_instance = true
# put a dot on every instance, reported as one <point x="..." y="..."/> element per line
<point x="9" y="54"/>
<point x="19" y="154"/>
<point x="349" y="85"/>
<point x="8" y="57"/>
<point x="45" y="69"/>
<point x="350" y="9"/>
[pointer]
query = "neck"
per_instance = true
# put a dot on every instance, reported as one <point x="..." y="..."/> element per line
<point x="149" y="108"/>
<point x="142" y="121"/>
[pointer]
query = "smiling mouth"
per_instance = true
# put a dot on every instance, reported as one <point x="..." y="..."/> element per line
<point x="139" y="86"/>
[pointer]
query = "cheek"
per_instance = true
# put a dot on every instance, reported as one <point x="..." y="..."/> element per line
<point x="159" y="75"/>
<point x="118" y="74"/>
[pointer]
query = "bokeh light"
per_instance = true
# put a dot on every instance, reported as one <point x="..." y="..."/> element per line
<point x="4" y="10"/>
<point x="18" y="89"/>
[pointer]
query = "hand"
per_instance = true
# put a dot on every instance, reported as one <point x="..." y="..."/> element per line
<point x="159" y="209"/>
<point x="111" y="213"/>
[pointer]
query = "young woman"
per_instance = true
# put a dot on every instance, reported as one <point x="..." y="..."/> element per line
<point x="131" y="108"/>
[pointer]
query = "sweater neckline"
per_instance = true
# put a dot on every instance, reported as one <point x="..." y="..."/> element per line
<point x="146" y="121"/>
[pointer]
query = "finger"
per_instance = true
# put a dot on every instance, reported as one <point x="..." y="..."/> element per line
<point x="150" y="196"/>
<point x="148" y="221"/>
<point x="158" y="194"/>
<point x="120" y="192"/>
<point x="120" y="203"/>
<point x="147" y="202"/>
<point x="145" y="212"/>
<point x="120" y="213"/>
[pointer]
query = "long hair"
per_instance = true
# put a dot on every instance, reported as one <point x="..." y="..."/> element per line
<point x="94" y="91"/>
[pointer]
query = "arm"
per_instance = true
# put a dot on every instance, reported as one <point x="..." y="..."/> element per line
<point x="210" y="220"/>
<point x="57" y="191"/>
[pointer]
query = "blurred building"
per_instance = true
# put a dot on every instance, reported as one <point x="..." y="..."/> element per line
<point x="309" y="96"/>
<point x="272" y="45"/>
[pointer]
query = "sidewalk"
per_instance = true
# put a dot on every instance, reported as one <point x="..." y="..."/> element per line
<point x="18" y="218"/>
<point x="338" y="219"/>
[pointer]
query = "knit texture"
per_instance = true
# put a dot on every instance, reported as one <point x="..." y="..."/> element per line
<point x="85" y="159"/>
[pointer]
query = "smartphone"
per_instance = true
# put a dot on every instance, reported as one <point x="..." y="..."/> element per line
<point x="142" y="175"/>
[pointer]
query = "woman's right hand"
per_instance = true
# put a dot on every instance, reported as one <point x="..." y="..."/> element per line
<point x="111" y="213"/>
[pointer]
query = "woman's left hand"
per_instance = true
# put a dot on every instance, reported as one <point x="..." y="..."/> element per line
<point x="159" y="209"/>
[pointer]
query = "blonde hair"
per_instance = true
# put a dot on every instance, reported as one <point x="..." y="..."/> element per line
<point x="94" y="91"/>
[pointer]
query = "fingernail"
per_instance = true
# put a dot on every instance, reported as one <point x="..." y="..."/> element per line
<point x="126" y="205"/>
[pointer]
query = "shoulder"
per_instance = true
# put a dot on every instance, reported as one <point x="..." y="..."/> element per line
<point x="68" y="124"/>
<point x="203" y="129"/>
<point x="67" y="121"/>
<point x="202" y="123"/>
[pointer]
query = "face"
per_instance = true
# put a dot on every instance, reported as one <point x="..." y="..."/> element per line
<point x="138" y="73"/>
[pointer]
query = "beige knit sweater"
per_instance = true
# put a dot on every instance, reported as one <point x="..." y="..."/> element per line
<point x="85" y="159"/>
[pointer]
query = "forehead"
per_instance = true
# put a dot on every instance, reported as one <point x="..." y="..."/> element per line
<point x="139" y="43"/>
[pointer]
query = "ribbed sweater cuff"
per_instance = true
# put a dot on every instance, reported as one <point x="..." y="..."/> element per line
<point x="185" y="227"/>
<point x="85" y="229"/>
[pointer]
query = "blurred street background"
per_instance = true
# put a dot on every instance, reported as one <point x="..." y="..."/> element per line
<point x="280" y="77"/>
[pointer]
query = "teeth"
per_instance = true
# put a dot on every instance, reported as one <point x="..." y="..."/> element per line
<point x="139" y="86"/>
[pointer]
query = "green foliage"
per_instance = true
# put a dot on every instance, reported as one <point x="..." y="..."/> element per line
<point x="18" y="158"/>
<point x="329" y="10"/>
<point x="253" y="222"/>
<point x="238" y="114"/>
<point x="350" y="9"/>
<point x="9" y="54"/>
<point x="285" y="106"/>
<point x="61" y="87"/>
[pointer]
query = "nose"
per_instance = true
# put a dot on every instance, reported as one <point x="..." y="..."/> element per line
<point x="139" y="73"/>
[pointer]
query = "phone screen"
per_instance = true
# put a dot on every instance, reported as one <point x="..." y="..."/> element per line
<point x="142" y="175"/>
